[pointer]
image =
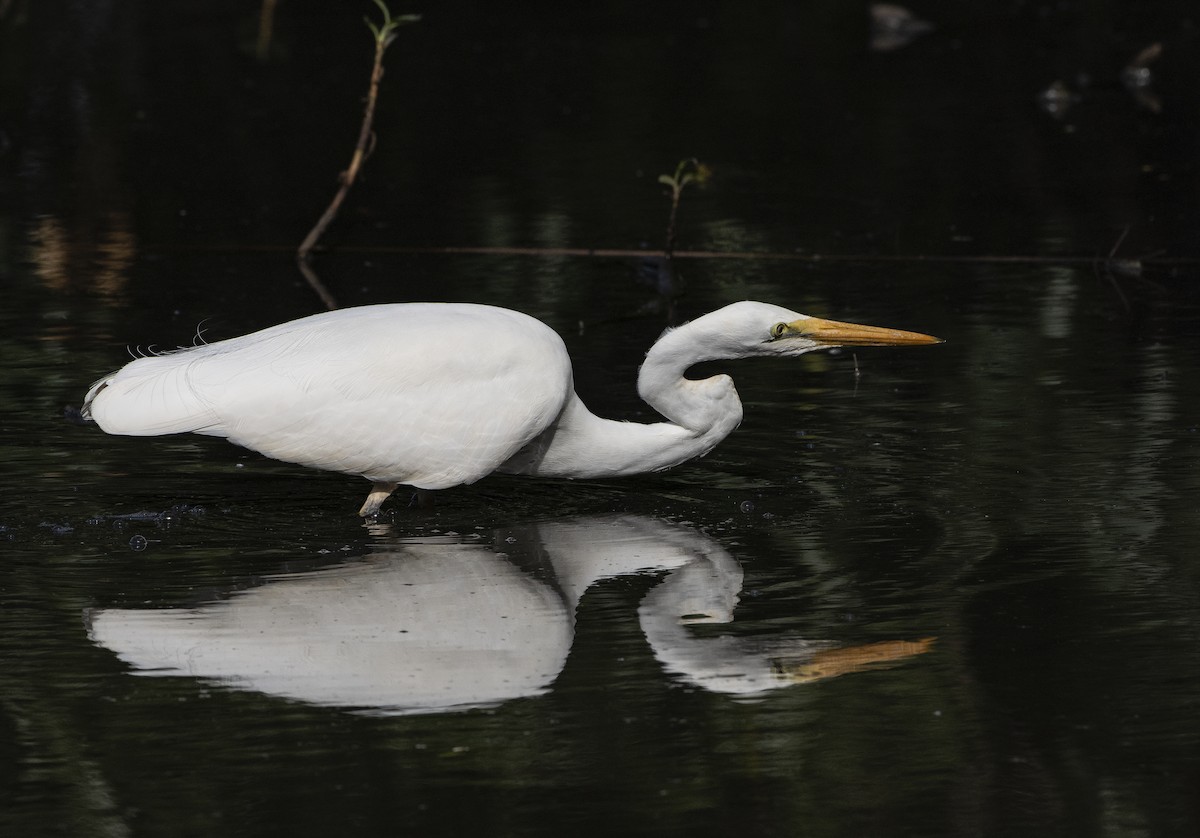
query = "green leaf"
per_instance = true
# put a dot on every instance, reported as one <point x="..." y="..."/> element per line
<point x="387" y="14"/>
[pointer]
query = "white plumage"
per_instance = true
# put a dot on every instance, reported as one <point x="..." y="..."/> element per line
<point x="434" y="395"/>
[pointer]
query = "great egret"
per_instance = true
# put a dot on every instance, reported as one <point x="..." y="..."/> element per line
<point x="434" y="395"/>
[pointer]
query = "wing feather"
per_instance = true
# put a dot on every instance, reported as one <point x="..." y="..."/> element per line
<point x="431" y="395"/>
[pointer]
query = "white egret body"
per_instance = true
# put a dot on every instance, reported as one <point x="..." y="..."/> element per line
<point x="434" y="395"/>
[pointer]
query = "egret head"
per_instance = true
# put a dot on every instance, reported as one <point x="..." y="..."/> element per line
<point x="759" y="329"/>
<point x="793" y="337"/>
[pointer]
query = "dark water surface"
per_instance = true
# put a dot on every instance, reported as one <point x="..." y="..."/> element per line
<point x="948" y="590"/>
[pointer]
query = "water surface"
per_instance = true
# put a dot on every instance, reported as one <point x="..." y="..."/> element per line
<point x="932" y="591"/>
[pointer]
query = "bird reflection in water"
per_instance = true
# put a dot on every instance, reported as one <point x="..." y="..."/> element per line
<point x="425" y="625"/>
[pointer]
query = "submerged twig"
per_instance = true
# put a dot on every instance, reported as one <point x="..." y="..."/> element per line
<point x="314" y="282"/>
<point x="384" y="35"/>
<point x="1116" y="269"/>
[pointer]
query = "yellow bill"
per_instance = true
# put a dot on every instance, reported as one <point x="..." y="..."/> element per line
<point x="836" y="333"/>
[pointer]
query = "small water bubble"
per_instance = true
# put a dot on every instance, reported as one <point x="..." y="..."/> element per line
<point x="138" y="543"/>
<point x="746" y="506"/>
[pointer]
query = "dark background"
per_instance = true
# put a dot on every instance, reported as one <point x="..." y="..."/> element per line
<point x="1025" y="493"/>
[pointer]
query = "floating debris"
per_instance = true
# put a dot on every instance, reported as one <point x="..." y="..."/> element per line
<point x="146" y="516"/>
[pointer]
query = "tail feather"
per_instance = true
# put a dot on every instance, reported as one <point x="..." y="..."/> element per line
<point x="149" y="397"/>
<point x="85" y="412"/>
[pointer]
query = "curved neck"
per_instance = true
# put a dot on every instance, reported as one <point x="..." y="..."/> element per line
<point x="699" y="406"/>
<point x="701" y="413"/>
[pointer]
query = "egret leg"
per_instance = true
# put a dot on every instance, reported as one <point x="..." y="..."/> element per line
<point x="379" y="493"/>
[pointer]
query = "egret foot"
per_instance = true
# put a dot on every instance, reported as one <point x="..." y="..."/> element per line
<point x="379" y="493"/>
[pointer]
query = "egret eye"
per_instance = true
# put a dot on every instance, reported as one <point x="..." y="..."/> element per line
<point x="778" y="331"/>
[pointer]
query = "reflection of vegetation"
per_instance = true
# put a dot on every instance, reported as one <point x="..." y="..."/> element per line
<point x="96" y="258"/>
<point x="384" y="35"/>
<point x="266" y="26"/>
